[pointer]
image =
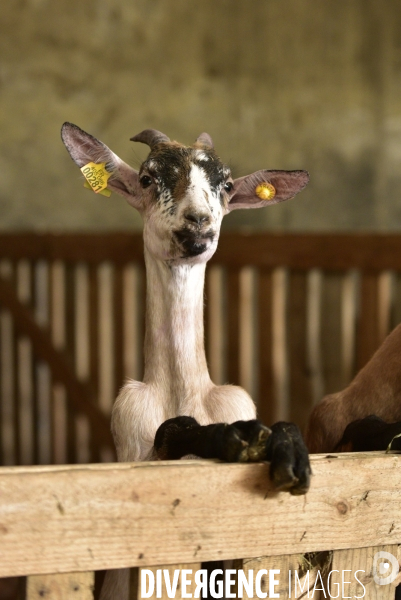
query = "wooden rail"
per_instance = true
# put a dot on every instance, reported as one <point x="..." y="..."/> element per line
<point x="290" y="317"/>
<point x="148" y="515"/>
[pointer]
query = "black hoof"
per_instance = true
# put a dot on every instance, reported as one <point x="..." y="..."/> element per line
<point x="289" y="460"/>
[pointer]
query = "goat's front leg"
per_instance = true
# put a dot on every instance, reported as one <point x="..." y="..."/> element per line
<point x="242" y="441"/>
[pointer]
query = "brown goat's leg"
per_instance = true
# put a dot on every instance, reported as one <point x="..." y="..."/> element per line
<point x="376" y="390"/>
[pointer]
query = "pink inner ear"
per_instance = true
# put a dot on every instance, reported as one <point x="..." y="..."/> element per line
<point x="82" y="146"/>
<point x="286" y="183"/>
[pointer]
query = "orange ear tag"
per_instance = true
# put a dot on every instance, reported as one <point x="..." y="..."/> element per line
<point x="96" y="178"/>
<point x="265" y="191"/>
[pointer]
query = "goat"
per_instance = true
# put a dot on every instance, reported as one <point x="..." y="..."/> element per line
<point x="366" y="415"/>
<point x="182" y="194"/>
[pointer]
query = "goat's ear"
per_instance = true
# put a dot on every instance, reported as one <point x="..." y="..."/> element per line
<point x="249" y="191"/>
<point x="85" y="148"/>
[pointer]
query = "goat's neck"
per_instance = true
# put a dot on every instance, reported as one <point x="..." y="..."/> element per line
<point x="174" y="344"/>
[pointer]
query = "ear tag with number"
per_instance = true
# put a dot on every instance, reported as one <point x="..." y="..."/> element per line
<point x="96" y="178"/>
<point x="265" y="191"/>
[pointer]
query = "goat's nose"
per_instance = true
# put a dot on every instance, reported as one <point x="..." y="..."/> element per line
<point x="197" y="218"/>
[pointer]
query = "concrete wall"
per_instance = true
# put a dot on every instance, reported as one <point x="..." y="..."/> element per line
<point x="312" y="84"/>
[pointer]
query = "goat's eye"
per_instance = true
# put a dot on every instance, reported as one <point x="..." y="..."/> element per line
<point x="145" y="181"/>
<point x="228" y="186"/>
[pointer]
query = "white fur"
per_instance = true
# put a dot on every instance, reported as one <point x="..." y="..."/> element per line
<point x="176" y="379"/>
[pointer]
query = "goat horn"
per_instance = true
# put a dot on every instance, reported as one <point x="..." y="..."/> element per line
<point x="151" y="137"/>
<point x="205" y="139"/>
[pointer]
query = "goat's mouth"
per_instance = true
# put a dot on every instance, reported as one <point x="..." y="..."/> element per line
<point x="193" y="243"/>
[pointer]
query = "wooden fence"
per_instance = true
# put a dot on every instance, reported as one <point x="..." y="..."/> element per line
<point x="59" y="524"/>
<point x="289" y="317"/>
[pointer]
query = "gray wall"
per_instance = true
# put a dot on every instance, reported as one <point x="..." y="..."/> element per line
<point x="312" y="84"/>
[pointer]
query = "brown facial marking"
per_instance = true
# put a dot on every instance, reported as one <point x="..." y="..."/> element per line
<point x="170" y="165"/>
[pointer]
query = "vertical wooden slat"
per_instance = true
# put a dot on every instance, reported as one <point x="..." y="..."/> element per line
<point x="385" y="303"/>
<point x="60" y="425"/>
<point x="214" y="318"/>
<point x="82" y="433"/>
<point x="9" y="373"/>
<point x="348" y="562"/>
<point x="8" y="390"/>
<point x="247" y="349"/>
<point x="314" y="333"/>
<point x="280" y="344"/>
<point x="63" y="586"/>
<point x="300" y="392"/>
<point x="58" y="334"/>
<point x="81" y="300"/>
<point x="266" y="563"/>
<point x="396" y="309"/>
<point x="349" y="303"/>
<point x="26" y="425"/>
<point x="300" y="576"/>
<point x="331" y="332"/>
<point x="368" y="325"/>
<point x="82" y="357"/>
<point x="118" y="322"/>
<point x="106" y="337"/>
<point x="232" y="303"/>
<point x="132" y="312"/>
<point x="42" y="371"/>
<point x="93" y="327"/>
<point x="266" y="409"/>
<point x="70" y="346"/>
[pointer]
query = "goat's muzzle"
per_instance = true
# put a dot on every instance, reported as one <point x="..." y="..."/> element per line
<point x="194" y="242"/>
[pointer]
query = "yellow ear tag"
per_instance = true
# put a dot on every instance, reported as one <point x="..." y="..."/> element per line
<point x="96" y="178"/>
<point x="265" y="191"/>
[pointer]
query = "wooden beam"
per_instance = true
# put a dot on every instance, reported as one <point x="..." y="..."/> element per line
<point x="83" y="518"/>
<point x="340" y="251"/>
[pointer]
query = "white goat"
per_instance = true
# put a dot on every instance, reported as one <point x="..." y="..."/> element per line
<point x="182" y="194"/>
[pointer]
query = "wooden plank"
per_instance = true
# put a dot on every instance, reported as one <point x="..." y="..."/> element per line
<point x="368" y="336"/>
<point x="336" y="252"/>
<point x="280" y="344"/>
<point x="91" y="248"/>
<point x="42" y="375"/>
<point x="233" y="324"/>
<point x="299" y="375"/>
<point x="106" y="338"/>
<point x="266" y="408"/>
<point x="8" y="363"/>
<point x="80" y="394"/>
<point x="314" y="334"/>
<point x="55" y="519"/>
<point x="247" y="350"/>
<point x="132" y="312"/>
<point x="348" y="562"/>
<point x="349" y="302"/>
<point x="118" y="327"/>
<point x="64" y="586"/>
<point x="94" y="328"/>
<point x="331" y="333"/>
<point x="58" y="335"/>
<point x="373" y="252"/>
<point x="276" y="583"/>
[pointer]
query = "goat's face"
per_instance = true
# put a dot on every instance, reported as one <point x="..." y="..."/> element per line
<point x="185" y="193"/>
<point x="182" y="192"/>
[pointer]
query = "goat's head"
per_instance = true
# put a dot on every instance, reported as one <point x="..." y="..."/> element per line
<point x="182" y="192"/>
